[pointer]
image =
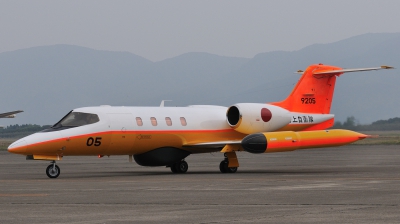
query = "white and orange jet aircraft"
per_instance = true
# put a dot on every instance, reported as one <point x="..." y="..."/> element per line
<point x="165" y="136"/>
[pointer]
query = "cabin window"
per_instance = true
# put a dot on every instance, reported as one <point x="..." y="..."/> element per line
<point x="139" y="121"/>
<point x="183" y="121"/>
<point x="153" y="121"/>
<point x="168" y="121"/>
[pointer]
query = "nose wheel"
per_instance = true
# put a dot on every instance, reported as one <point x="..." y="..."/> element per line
<point x="53" y="171"/>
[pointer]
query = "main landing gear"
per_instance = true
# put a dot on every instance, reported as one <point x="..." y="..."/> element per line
<point x="223" y="167"/>
<point x="180" y="167"/>
<point x="230" y="158"/>
<point x="229" y="165"/>
<point x="53" y="171"/>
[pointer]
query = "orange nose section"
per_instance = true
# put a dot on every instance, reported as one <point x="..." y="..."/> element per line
<point x="18" y="147"/>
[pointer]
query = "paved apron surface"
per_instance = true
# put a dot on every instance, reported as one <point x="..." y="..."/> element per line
<point x="351" y="184"/>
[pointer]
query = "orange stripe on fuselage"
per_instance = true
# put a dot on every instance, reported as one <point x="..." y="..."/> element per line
<point x="132" y="132"/>
<point x="126" y="142"/>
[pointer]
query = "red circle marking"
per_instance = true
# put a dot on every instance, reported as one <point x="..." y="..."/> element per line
<point x="266" y="114"/>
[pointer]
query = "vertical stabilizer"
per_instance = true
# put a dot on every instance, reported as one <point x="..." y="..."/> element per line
<point x="313" y="93"/>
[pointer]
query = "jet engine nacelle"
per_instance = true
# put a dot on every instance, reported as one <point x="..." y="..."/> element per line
<point x="250" y="118"/>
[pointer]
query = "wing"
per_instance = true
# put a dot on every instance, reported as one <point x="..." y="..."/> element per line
<point x="212" y="144"/>
<point x="10" y="114"/>
<point x="223" y="146"/>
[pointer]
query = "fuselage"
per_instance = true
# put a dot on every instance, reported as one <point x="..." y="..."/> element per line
<point x="136" y="130"/>
<point x="130" y="131"/>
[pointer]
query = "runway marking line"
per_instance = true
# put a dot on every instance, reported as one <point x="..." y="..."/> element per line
<point x="23" y="195"/>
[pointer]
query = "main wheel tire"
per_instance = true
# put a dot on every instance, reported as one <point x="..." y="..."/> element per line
<point x="173" y="168"/>
<point x="182" y="167"/>
<point x="53" y="171"/>
<point x="232" y="169"/>
<point x="223" y="167"/>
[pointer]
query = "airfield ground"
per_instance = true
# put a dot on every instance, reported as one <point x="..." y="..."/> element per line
<point x="350" y="184"/>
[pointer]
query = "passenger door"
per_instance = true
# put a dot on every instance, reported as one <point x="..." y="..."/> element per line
<point x="122" y="139"/>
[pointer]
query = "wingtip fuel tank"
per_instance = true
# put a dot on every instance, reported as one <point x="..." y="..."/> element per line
<point x="266" y="142"/>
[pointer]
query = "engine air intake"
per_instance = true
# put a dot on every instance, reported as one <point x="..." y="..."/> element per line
<point x="233" y="116"/>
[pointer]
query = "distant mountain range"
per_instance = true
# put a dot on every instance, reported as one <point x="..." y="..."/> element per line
<point x="49" y="81"/>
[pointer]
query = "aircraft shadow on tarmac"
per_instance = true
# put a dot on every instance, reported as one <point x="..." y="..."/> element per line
<point x="293" y="172"/>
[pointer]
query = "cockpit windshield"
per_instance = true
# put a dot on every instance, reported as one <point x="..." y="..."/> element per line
<point x="76" y="119"/>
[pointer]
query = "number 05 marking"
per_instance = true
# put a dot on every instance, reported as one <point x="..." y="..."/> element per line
<point x="91" y="141"/>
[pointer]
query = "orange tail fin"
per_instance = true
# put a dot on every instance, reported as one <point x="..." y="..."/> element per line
<point x="313" y="93"/>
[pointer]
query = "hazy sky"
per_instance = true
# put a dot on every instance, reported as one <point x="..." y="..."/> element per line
<point x="162" y="29"/>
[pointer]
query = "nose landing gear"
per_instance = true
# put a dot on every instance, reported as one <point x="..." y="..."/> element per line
<point x="53" y="171"/>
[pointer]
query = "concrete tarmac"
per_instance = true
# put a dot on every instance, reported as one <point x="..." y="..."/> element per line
<point x="350" y="184"/>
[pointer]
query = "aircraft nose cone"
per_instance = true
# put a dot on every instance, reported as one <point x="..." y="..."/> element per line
<point x="18" y="147"/>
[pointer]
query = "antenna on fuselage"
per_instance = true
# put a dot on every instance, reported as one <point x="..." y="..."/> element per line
<point x="162" y="102"/>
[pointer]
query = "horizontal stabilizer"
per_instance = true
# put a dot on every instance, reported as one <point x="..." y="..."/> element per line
<point x="329" y="72"/>
<point x="338" y="72"/>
